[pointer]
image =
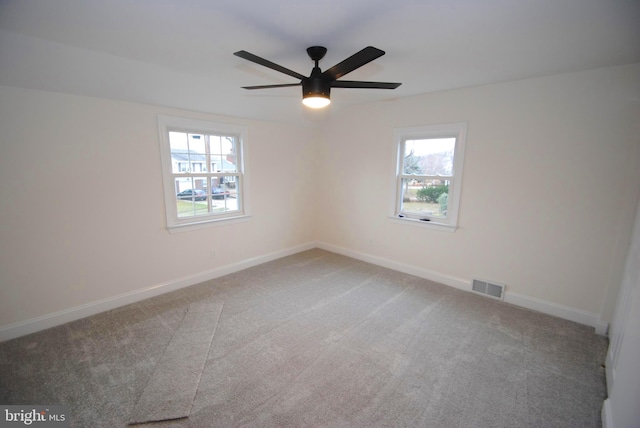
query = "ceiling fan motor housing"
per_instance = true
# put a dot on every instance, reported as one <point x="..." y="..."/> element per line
<point x="316" y="87"/>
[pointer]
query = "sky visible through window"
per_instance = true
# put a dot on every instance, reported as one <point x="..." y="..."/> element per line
<point x="195" y="142"/>
<point x="429" y="146"/>
<point x="429" y="156"/>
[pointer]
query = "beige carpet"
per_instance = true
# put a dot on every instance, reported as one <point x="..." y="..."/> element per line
<point x="174" y="383"/>
<point x="321" y="340"/>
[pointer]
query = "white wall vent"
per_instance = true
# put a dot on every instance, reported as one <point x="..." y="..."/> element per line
<point x="489" y="289"/>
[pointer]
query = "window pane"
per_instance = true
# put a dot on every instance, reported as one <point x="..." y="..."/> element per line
<point x="430" y="156"/>
<point x="229" y="163"/>
<point x="223" y="149"/>
<point x="230" y="184"/>
<point x="228" y="145"/>
<point x="179" y="152"/>
<point x="214" y="144"/>
<point x="197" y="153"/>
<point x="225" y="194"/>
<point x="427" y="198"/>
<point x="216" y="163"/>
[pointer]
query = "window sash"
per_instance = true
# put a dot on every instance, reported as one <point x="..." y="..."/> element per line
<point x="402" y="210"/>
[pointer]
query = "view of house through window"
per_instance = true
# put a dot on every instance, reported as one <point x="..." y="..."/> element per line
<point x="429" y="173"/>
<point x="205" y="173"/>
<point x="202" y="169"/>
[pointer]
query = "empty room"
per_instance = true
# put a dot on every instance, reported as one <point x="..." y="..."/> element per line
<point x="319" y="214"/>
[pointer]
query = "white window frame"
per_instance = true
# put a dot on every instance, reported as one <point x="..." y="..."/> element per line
<point x="167" y="124"/>
<point x="456" y="130"/>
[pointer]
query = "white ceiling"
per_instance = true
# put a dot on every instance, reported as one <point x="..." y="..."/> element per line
<point x="179" y="53"/>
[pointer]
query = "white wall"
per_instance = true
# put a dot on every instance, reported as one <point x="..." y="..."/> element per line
<point x="552" y="170"/>
<point x="82" y="204"/>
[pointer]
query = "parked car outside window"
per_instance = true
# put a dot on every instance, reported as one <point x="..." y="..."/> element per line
<point x="193" y="194"/>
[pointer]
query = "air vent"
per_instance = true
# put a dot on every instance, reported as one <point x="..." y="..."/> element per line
<point x="488" y="289"/>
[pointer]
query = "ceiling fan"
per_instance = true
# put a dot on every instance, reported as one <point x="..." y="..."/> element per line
<point x="317" y="87"/>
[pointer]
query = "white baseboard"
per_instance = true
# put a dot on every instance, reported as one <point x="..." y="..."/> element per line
<point x="546" y="307"/>
<point x="555" y="309"/>
<point x="401" y="267"/>
<point x="33" y="325"/>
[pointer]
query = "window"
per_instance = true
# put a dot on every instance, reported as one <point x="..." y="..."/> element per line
<point x="429" y="174"/>
<point x="202" y="167"/>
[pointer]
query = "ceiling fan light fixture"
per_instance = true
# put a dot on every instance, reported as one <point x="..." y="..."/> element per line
<point x="316" y="101"/>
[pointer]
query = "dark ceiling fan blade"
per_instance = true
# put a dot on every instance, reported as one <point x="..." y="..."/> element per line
<point x="254" y="58"/>
<point x="271" y="86"/>
<point x="359" y="84"/>
<point x="356" y="60"/>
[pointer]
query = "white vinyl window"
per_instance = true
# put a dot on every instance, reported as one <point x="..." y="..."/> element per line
<point x="429" y="174"/>
<point x="203" y="172"/>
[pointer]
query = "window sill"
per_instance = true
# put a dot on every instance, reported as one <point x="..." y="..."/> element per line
<point x="425" y="224"/>
<point x="205" y="224"/>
